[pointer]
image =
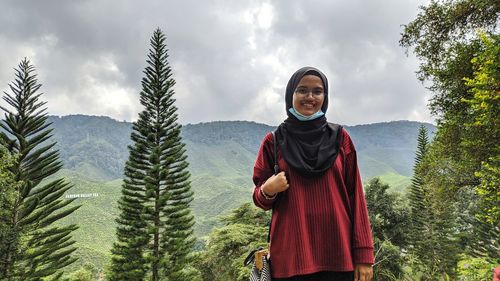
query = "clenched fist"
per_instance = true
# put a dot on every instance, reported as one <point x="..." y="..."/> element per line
<point x="274" y="184"/>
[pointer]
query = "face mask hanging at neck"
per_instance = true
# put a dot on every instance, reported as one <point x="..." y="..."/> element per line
<point x="305" y="117"/>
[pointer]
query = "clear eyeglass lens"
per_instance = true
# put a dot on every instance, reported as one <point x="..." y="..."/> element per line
<point x="304" y="92"/>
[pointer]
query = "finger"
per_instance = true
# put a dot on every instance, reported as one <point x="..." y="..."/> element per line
<point x="283" y="183"/>
<point x="356" y="274"/>
<point x="369" y="273"/>
<point x="367" y="276"/>
<point x="362" y="276"/>
<point x="282" y="173"/>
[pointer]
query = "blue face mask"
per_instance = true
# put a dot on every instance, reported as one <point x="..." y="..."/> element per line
<point x="304" y="117"/>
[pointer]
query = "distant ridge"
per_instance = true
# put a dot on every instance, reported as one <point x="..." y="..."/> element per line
<point x="221" y="155"/>
<point x="97" y="145"/>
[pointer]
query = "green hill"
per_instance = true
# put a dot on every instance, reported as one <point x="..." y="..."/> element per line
<point x="95" y="217"/>
<point x="386" y="147"/>
<point x="221" y="156"/>
<point x="97" y="146"/>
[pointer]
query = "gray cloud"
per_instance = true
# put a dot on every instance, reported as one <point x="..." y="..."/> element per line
<point x="231" y="59"/>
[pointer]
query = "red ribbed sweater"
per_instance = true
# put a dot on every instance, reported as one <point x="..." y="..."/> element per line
<point x="318" y="224"/>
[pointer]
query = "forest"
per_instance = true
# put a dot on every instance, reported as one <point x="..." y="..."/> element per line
<point x="444" y="224"/>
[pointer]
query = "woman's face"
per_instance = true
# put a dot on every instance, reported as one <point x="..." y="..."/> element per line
<point x="309" y="95"/>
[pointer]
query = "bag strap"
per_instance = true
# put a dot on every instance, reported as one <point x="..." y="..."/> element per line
<point x="251" y="256"/>
<point x="276" y="169"/>
<point x="275" y="154"/>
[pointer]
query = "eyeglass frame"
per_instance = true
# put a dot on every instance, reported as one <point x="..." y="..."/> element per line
<point x="305" y="92"/>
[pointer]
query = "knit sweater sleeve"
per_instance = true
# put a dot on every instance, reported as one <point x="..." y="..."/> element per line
<point x="262" y="171"/>
<point x="362" y="241"/>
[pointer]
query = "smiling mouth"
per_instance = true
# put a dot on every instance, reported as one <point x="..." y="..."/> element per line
<point x="308" y="105"/>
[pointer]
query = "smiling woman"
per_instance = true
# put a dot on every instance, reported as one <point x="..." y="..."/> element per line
<point x="319" y="228"/>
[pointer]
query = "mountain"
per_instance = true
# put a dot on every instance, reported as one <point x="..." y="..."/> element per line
<point x="94" y="146"/>
<point x="97" y="146"/>
<point x="221" y="156"/>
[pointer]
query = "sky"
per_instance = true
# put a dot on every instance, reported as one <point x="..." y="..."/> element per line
<point x="231" y="60"/>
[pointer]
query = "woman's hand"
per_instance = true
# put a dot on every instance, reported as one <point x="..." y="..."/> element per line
<point x="363" y="272"/>
<point x="274" y="184"/>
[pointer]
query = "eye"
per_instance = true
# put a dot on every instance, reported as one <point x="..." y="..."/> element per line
<point x="302" y="91"/>
<point x="318" y="92"/>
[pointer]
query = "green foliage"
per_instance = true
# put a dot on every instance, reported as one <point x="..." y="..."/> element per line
<point x="444" y="40"/>
<point x="97" y="147"/>
<point x="483" y="142"/>
<point x="8" y="184"/>
<point x="397" y="183"/>
<point x="433" y="243"/>
<point x="96" y="219"/>
<point x="213" y="164"/>
<point x="488" y="227"/>
<point x="436" y="246"/>
<point x="474" y="269"/>
<point x="245" y="229"/>
<point x="92" y="145"/>
<point x="155" y="225"/>
<point x="489" y="191"/>
<point x="387" y="147"/>
<point x="32" y="245"/>
<point x="430" y="238"/>
<point x="390" y="221"/>
<point x="389" y="214"/>
<point x="440" y="32"/>
<point x="416" y="196"/>
<point x="221" y="155"/>
<point x="459" y="171"/>
<point x="87" y="272"/>
<point x="389" y="261"/>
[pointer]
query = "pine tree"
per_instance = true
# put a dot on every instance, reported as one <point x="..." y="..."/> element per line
<point x="433" y="237"/>
<point x="154" y="230"/>
<point x="422" y="230"/>
<point x="32" y="247"/>
<point x="416" y="195"/>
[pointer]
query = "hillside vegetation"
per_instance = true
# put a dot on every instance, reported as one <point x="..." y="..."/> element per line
<point x="221" y="155"/>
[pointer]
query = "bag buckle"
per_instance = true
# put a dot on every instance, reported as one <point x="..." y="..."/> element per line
<point x="259" y="264"/>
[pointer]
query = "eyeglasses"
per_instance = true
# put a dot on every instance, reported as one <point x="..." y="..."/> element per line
<point x="316" y="92"/>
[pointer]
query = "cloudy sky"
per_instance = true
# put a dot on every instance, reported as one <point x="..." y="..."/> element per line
<point x="231" y="59"/>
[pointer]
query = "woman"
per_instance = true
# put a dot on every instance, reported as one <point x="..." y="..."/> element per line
<point x="319" y="228"/>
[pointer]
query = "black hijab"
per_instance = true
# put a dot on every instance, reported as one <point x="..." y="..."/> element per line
<point x="309" y="147"/>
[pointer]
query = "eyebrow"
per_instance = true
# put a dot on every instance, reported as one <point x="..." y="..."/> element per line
<point x="314" y="88"/>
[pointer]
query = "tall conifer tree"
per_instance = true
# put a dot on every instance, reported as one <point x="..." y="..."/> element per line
<point x="422" y="221"/>
<point x="154" y="229"/>
<point x="433" y="240"/>
<point x="31" y="246"/>
<point x="416" y="193"/>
